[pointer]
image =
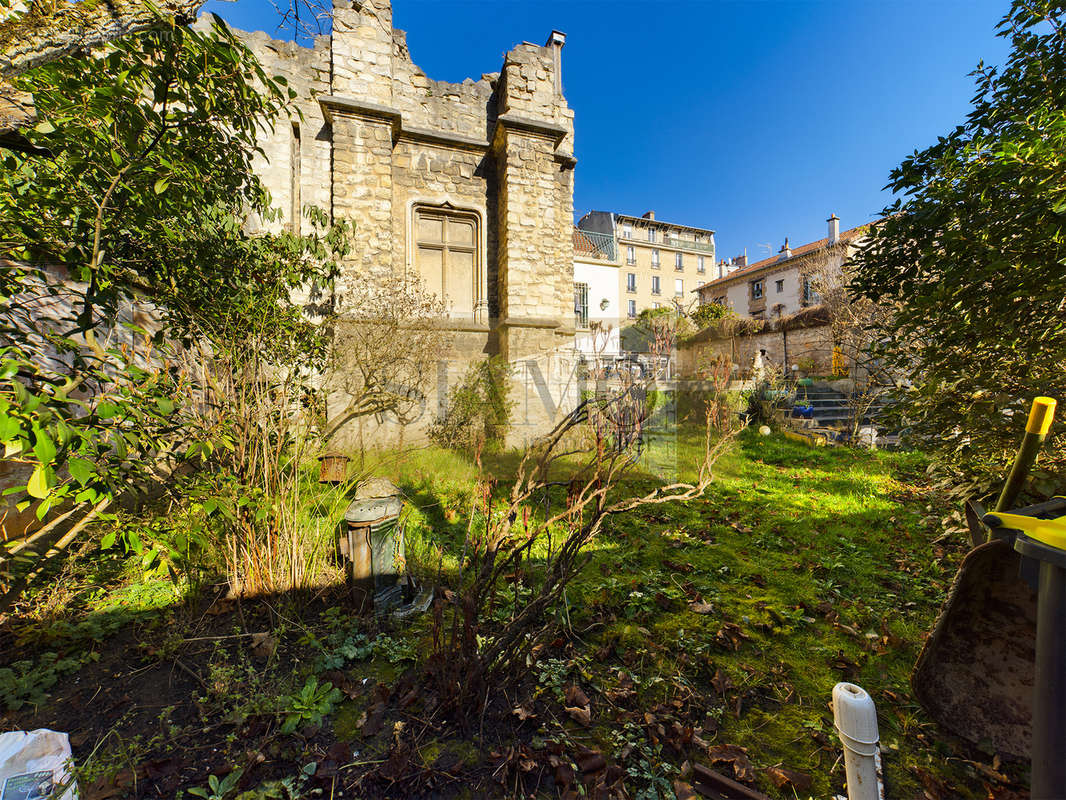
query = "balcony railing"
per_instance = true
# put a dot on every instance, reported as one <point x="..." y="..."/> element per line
<point x="688" y="244"/>
<point x="596" y="245"/>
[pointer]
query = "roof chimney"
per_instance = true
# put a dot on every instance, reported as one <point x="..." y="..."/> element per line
<point x="649" y="215"/>
<point x="556" y="42"/>
<point x="834" y="229"/>
<point x="785" y="251"/>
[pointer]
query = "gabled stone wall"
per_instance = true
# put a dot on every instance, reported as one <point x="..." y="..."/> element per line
<point x="379" y="138"/>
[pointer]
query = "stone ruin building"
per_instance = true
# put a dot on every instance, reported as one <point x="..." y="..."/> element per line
<point x="469" y="185"/>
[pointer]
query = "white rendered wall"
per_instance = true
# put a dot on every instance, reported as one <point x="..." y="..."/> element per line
<point x="736" y="297"/>
<point x="602" y="280"/>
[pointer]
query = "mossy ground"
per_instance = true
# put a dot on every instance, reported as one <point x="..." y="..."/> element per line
<point x="804" y="566"/>
<point x="720" y="622"/>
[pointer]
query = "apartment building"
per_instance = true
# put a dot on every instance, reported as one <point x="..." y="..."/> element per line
<point x="781" y="285"/>
<point x="660" y="263"/>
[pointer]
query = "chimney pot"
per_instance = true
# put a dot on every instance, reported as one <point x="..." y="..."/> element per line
<point x="649" y="215"/>
<point x="834" y="229"/>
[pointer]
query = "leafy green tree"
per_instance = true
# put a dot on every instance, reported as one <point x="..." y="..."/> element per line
<point x="142" y="206"/>
<point x="970" y="262"/>
<point x="706" y="313"/>
<point x="150" y="139"/>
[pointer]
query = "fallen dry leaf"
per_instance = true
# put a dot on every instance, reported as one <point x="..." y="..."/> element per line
<point x="581" y="715"/>
<point x="781" y="778"/>
<point x="721" y="682"/>
<point x="575" y="696"/>
<point x="523" y="712"/>
<point x="263" y="645"/>
<point x="700" y="607"/>
<point x="684" y="791"/>
<point x="590" y="761"/>
<point x="737" y="757"/>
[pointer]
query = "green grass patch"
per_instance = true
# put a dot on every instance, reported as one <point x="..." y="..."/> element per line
<point x="738" y="612"/>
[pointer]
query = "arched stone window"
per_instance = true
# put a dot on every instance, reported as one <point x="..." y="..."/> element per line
<point x="448" y="257"/>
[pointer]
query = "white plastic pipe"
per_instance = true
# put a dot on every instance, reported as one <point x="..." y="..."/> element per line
<point x="856" y="723"/>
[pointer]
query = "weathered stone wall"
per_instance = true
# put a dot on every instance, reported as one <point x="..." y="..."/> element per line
<point x="295" y="164"/>
<point x="380" y="139"/>
<point x="811" y="347"/>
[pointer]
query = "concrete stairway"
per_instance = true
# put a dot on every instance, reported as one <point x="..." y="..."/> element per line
<point x="830" y="408"/>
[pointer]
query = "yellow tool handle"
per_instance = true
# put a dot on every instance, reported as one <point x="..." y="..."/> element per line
<point x="1049" y="531"/>
<point x="1041" y="415"/>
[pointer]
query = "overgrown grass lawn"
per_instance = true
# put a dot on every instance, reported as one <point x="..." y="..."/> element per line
<point x="801" y="568"/>
<point x="711" y="631"/>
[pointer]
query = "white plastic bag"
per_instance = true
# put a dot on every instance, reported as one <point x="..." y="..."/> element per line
<point x="35" y="763"/>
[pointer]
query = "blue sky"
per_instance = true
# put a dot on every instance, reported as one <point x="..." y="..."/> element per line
<point x="756" y="118"/>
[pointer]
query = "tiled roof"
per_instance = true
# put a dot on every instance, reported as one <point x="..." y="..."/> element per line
<point x="583" y="245"/>
<point x="797" y="252"/>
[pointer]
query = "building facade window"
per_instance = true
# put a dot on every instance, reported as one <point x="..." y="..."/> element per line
<point x="632" y="309"/>
<point x="581" y="305"/>
<point x="756" y="290"/>
<point x="655" y="284"/>
<point x="780" y="286"/>
<point x="448" y="258"/>
<point x="656" y="305"/>
<point x="679" y="260"/>
<point x="699" y="265"/>
<point x="631" y="281"/>
<point x="679" y="287"/>
<point x="631" y="255"/>
<point x="809" y="295"/>
<point x="655" y="257"/>
<point x="627" y="231"/>
<point x="651" y="234"/>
